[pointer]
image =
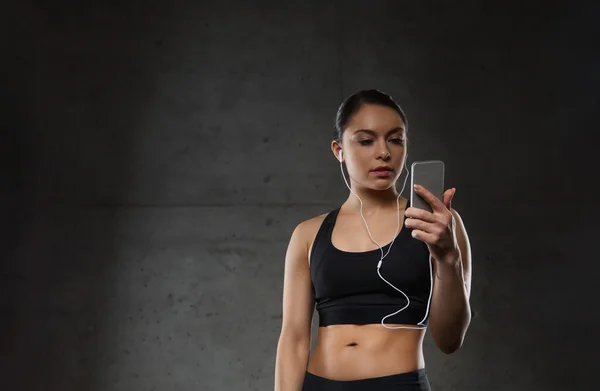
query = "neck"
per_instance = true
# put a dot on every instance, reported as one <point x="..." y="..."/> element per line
<point x="373" y="200"/>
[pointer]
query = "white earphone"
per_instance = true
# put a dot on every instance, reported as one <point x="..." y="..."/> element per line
<point x="420" y="325"/>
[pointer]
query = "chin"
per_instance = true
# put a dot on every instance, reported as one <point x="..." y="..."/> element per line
<point x="382" y="185"/>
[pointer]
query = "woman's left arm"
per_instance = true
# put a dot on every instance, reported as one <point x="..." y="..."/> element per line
<point x="450" y="314"/>
<point x="443" y="231"/>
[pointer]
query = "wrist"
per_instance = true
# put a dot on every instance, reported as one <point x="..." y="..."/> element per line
<point x="450" y="268"/>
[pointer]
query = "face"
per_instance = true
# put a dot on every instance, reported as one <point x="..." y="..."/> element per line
<point x="374" y="137"/>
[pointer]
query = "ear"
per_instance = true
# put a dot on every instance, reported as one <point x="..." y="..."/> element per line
<point x="336" y="148"/>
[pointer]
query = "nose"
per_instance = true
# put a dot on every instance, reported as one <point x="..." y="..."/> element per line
<point x="384" y="154"/>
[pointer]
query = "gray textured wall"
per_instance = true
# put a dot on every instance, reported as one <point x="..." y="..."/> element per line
<point x="156" y="158"/>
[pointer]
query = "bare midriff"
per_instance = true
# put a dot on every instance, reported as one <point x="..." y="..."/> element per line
<point x="353" y="352"/>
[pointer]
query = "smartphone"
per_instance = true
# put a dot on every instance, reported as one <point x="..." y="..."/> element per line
<point x="430" y="175"/>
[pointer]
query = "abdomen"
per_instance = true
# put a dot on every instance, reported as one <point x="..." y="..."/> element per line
<point x="352" y="352"/>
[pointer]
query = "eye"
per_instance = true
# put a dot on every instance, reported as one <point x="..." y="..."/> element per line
<point x="365" y="142"/>
<point x="397" y="140"/>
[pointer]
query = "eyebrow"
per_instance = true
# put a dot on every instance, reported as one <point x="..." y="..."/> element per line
<point x="372" y="132"/>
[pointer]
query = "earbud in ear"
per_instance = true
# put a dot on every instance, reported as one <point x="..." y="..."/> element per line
<point x="341" y="155"/>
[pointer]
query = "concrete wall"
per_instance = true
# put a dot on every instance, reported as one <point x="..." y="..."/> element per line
<point x="158" y="155"/>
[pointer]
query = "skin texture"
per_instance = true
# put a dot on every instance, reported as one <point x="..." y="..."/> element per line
<point x="351" y="352"/>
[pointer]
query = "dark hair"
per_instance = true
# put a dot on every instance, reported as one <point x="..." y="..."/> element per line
<point x="355" y="101"/>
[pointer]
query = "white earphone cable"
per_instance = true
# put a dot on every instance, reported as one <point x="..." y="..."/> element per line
<point x="420" y="325"/>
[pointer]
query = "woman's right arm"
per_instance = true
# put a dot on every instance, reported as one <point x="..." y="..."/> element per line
<point x="293" y="348"/>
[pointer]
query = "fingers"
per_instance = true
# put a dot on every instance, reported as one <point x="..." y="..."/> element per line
<point x="443" y="219"/>
<point x="436" y="203"/>
<point x="417" y="213"/>
<point x="429" y="228"/>
<point x="424" y="236"/>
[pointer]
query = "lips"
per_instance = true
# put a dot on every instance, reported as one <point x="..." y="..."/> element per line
<point x="382" y="173"/>
<point x="382" y="169"/>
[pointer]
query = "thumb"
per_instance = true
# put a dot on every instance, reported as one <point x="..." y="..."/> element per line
<point x="448" y="197"/>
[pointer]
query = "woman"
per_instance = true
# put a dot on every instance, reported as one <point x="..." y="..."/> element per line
<point x="374" y="302"/>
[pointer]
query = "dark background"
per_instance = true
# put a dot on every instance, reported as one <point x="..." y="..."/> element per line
<point x="156" y="157"/>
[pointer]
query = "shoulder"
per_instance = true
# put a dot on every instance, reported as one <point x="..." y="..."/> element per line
<point x="307" y="230"/>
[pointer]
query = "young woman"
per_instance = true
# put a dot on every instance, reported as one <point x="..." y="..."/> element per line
<point x="374" y="301"/>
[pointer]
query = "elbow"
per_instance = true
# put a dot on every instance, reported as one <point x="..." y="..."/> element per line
<point x="290" y="334"/>
<point x="449" y="348"/>
<point x="449" y="343"/>
<point x="296" y="342"/>
<point x="449" y="337"/>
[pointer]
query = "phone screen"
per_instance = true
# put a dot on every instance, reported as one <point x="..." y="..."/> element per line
<point x="430" y="175"/>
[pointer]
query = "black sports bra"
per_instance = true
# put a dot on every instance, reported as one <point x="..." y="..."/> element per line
<point x="348" y="289"/>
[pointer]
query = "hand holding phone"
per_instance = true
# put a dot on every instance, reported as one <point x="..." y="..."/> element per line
<point x="437" y="232"/>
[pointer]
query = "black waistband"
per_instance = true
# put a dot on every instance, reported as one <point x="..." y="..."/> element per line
<point x="407" y="381"/>
<point x="371" y="315"/>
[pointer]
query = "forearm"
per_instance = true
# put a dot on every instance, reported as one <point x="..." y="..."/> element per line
<point x="450" y="309"/>
<point x="291" y="363"/>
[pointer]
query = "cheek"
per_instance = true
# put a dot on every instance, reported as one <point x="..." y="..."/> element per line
<point x="358" y="161"/>
<point x="357" y="170"/>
